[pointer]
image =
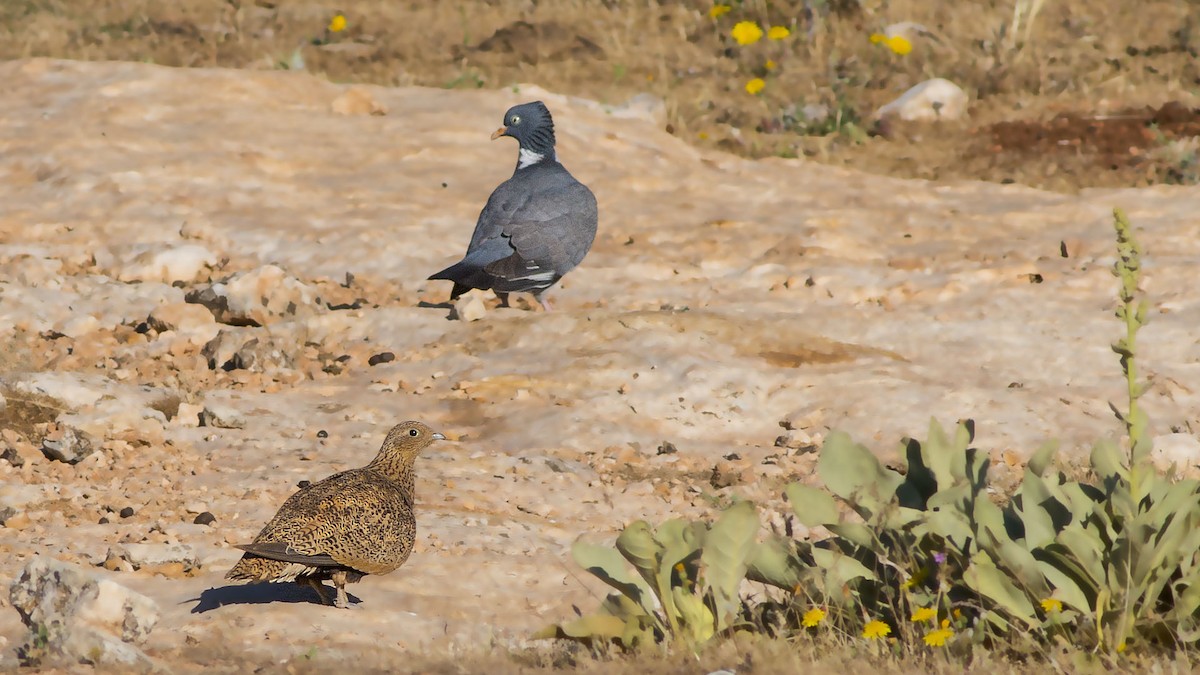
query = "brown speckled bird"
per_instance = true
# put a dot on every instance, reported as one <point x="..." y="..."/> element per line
<point x="351" y="524"/>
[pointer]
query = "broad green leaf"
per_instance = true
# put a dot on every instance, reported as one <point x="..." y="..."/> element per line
<point x="725" y="556"/>
<point x="984" y="577"/>
<point x="1107" y="461"/>
<point x="773" y="562"/>
<point x="608" y="566"/>
<point x="851" y="472"/>
<point x="1042" y="458"/>
<point x="813" y="506"/>
<point x="636" y="542"/>
<point x="697" y="618"/>
<point x="591" y="627"/>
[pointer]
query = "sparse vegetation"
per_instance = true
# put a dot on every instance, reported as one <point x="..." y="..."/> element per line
<point x="933" y="558"/>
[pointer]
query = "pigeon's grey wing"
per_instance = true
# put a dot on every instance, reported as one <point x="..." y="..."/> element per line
<point x="548" y="244"/>
<point x="489" y="243"/>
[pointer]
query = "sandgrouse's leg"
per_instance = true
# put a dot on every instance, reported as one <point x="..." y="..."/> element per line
<point x="339" y="580"/>
<point x="503" y="298"/>
<point x="319" y="588"/>
<point x="545" y="302"/>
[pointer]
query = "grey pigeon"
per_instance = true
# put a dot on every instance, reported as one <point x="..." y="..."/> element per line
<point x="536" y="226"/>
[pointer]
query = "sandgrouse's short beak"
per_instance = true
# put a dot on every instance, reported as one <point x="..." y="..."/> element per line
<point x="437" y="437"/>
<point x="499" y="132"/>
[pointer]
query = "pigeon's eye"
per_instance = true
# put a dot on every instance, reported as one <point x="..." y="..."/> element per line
<point x="413" y="432"/>
<point x="514" y="120"/>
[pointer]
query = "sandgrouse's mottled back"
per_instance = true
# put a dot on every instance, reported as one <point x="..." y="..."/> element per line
<point x="536" y="226"/>
<point x="349" y="525"/>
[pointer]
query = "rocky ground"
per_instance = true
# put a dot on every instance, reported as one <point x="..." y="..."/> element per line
<point x="212" y="288"/>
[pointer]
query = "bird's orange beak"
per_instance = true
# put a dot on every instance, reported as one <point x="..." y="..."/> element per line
<point x="498" y="133"/>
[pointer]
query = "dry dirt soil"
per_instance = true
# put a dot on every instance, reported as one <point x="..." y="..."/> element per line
<point x="1071" y="97"/>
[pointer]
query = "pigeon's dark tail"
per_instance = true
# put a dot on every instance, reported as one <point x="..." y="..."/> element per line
<point x="457" y="273"/>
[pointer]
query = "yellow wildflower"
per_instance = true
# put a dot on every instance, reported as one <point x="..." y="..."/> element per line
<point x="937" y="638"/>
<point x="337" y="24"/>
<point x="876" y="630"/>
<point x="717" y="11"/>
<point x="813" y="617"/>
<point x="1052" y="605"/>
<point x="770" y="65"/>
<point x="876" y="38"/>
<point x="746" y="33"/>
<point x="1121" y="647"/>
<point x="702" y="136"/>
<point x="923" y="614"/>
<point x="899" y="44"/>
<point x="957" y="613"/>
<point x="778" y="33"/>
<point x="756" y="85"/>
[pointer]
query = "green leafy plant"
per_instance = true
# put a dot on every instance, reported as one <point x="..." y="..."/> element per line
<point x="678" y="582"/>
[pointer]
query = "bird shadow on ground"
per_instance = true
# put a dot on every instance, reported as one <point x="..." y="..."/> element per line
<point x="258" y="594"/>
<point x="435" y="305"/>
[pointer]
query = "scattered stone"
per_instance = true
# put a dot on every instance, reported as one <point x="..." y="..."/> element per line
<point x="667" y="448"/>
<point x="930" y="101"/>
<point x="222" y="416"/>
<point x="18" y="521"/>
<point x="258" y="297"/>
<point x="77" y="616"/>
<point x="357" y="101"/>
<point x="159" y="555"/>
<point x="127" y="512"/>
<point x="469" y="307"/>
<point x="185" y="264"/>
<point x="67" y="444"/>
<point x="382" y="357"/>
<point x="247" y="349"/>
<point x="206" y="518"/>
<point x="189" y="320"/>
<point x="19" y="496"/>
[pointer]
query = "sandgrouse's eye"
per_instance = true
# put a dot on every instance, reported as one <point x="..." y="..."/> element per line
<point x="516" y="119"/>
<point x="413" y="432"/>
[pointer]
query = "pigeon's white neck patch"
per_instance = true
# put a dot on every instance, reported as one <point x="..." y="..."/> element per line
<point x="526" y="157"/>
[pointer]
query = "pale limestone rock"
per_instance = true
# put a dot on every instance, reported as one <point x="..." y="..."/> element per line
<point x="151" y="555"/>
<point x="184" y="263"/>
<point x="930" y="101"/>
<point x="1179" y="450"/>
<point x="469" y="306"/>
<point x="259" y="297"/>
<point x="191" y="321"/>
<point x="85" y="618"/>
<point x="67" y="444"/>
<point x="221" y="415"/>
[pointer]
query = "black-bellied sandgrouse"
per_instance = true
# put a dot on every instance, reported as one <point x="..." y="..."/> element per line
<point x="347" y="526"/>
<point x="536" y="226"/>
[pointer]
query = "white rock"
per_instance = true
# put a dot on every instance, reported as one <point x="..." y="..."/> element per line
<point x="148" y="555"/>
<point x="1180" y="450"/>
<point x="469" y="307"/>
<point x="185" y="263"/>
<point x="931" y="100"/>
<point x="221" y="415"/>
<point x="193" y="322"/>
<point x="85" y="617"/>
<point x="258" y="297"/>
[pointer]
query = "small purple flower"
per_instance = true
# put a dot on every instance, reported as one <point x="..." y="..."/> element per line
<point x="939" y="558"/>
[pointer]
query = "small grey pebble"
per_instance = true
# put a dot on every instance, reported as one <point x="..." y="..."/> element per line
<point x="303" y="484"/>
<point x="103" y="520"/>
<point x="322" y="434"/>
<point x="667" y="448"/>
<point x="382" y="357"/>
<point x="205" y="518"/>
<point x="127" y="512"/>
